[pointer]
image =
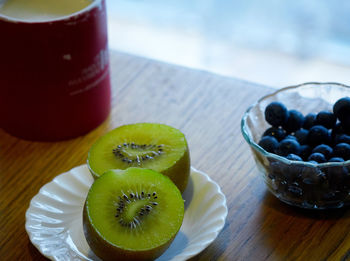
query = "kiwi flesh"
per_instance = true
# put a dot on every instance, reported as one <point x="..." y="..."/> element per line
<point x="145" y="145"/>
<point x="132" y="214"/>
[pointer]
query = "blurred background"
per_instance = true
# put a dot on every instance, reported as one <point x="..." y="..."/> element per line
<point x="276" y="43"/>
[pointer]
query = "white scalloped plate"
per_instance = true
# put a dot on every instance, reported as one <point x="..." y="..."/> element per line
<point x="54" y="217"/>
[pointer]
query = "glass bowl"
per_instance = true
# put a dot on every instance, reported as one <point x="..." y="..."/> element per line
<point x="299" y="183"/>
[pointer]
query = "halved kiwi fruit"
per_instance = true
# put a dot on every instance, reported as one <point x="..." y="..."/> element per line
<point x="145" y="145"/>
<point x="132" y="214"/>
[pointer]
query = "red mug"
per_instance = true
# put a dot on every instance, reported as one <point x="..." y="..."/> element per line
<point x="54" y="75"/>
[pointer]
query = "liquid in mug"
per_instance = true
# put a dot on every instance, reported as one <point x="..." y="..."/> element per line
<point x="41" y="10"/>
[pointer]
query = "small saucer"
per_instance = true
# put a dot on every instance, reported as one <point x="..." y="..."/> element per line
<point x="54" y="217"/>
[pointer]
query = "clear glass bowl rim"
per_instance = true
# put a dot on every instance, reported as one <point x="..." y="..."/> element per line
<point x="260" y="150"/>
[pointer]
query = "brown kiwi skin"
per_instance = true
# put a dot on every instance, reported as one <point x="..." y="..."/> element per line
<point x="179" y="173"/>
<point x="108" y="252"/>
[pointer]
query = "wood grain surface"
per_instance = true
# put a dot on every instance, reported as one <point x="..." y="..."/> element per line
<point x="208" y="109"/>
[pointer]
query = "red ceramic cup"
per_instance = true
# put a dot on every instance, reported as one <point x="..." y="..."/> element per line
<point x="54" y="75"/>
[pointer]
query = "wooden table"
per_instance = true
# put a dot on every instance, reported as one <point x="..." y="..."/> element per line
<point x="208" y="109"/>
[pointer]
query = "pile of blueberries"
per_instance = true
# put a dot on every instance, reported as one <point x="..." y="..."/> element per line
<point x="315" y="138"/>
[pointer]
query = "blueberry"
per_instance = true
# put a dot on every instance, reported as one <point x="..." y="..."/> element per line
<point x="276" y="169"/>
<point x="294" y="122"/>
<point x="276" y="114"/>
<point x="311" y="176"/>
<point x="323" y="149"/>
<point x="294" y="157"/>
<point x="313" y="162"/>
<point x="336" y="178"/>
<point x="291" y="137"/>
<point x="295" y="190"/>
<point x="301" y="135"/>
<point x="305" y="151"/>
<point x="342" y="108"/>
<point x="341" y="150"/>
<point x="318" y="157"/>
<point x="337" y="129"/>
<point x="326" y="119"/>
<point x="309" y="121"/>
<point x="288" y="146"/>
<point x="268" y="143"/>
<point x="342" y="138"/>
<point x="345" y="123"/>
<point x="318" y="135"/>
<point x="336" y="159"/>
<point x="278" y="133"/>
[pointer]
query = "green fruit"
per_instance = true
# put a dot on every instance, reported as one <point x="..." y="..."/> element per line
<point x="145" y="145"/>
<point x="132" y="214"/>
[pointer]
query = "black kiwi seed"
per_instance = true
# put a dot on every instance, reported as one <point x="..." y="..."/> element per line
<point x="137" y="222"/>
